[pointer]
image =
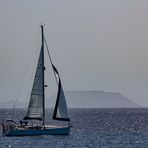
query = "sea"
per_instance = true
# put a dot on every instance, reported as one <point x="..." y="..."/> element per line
<point x="91" y="128"/>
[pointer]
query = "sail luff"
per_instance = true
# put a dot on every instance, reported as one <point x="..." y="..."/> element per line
<point x="51" y="61"/>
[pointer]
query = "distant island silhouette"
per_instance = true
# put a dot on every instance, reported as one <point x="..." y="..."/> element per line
<point x="85" y="99"/>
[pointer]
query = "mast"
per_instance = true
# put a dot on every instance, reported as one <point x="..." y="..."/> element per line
<point x="42" y="48"/>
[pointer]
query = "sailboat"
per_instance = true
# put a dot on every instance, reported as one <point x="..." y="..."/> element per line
<point x="36" y="107"/>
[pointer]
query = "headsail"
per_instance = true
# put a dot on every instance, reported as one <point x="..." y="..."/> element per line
<point x="35" y="108"/>
<point x="60" y="111"/>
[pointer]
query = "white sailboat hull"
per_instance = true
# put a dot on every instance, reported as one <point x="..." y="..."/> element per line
<point x="34" y="131"/>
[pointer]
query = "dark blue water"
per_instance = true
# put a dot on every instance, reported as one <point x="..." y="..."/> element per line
<point x="92" y="128"/>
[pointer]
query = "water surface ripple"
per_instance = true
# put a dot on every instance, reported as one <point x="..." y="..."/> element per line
<point x="92" y="128"/>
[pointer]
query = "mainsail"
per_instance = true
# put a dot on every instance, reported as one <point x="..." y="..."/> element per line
<point x="36" y="104"/>
<point x="60" y="111"/>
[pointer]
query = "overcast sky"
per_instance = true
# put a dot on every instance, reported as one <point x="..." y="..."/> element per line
<point x="95" y="44"/>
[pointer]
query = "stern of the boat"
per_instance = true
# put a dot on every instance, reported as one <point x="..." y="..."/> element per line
<point x="8" y="126"/>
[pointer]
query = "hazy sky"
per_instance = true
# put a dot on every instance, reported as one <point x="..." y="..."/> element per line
<point x="95" y="44"/>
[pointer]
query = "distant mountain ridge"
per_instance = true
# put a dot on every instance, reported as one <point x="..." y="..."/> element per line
<point x="85" y="99"/>
<point x="98" y="99"/>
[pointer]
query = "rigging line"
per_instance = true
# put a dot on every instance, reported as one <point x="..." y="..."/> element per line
<point x="51" y="60"/>
<point x="24" y="74"/>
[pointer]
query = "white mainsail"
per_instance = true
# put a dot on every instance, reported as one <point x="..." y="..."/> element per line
<point x="35" y="108"/>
